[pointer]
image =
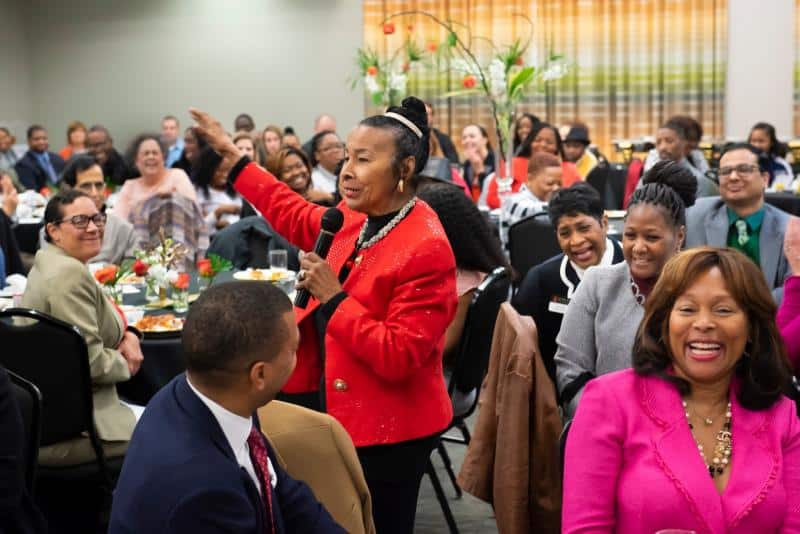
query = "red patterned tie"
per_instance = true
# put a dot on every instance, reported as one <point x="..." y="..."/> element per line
<point x="258" y="454"/>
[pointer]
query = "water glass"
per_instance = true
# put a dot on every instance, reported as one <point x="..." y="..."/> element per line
<point x="278" y="259"/>
<point x="180" y="300"/>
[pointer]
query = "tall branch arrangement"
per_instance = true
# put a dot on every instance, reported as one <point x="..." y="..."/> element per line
<point x="504" y="81"/>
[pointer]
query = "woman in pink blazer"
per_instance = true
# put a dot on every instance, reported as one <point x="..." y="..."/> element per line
<point x="698" y="435"/>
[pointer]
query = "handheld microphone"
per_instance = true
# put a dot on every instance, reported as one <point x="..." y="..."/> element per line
<point x="332" y="221"/>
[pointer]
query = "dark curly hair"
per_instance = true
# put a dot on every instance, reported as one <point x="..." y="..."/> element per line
<point x="406" y="142"/>
<point x="474" y="244"/>
<point x="133" y="149"/>
<point x="764" y="370"/>
<point x="579" y="198"/>
<point x="525" y="149"/>
<point x="76" y="164"/>
<point x="669" y="186"/>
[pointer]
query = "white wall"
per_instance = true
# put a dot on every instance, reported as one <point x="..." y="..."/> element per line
<point x="128" y="63"/>
<point x="15" y="75"/>
<point x="761" y="55"/>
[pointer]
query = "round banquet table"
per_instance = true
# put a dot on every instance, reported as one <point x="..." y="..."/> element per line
<point x="163" y="356"/>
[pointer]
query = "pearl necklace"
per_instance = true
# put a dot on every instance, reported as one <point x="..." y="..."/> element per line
<point x="724" y="446"/>
<point x="361" y="245"/>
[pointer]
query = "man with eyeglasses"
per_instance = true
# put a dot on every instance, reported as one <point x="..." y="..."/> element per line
<point x="84" y="173"/>
<point x="739" y="218"/>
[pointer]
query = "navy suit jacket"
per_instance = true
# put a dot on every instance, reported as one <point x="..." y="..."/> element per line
<point x="180" y="476"/>
<point x="32" y="175"/>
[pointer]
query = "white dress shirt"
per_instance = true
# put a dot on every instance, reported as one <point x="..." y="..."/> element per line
<point x="236" y="429"/>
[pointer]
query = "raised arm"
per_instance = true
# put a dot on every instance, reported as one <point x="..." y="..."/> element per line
<point x="290" y="214"/>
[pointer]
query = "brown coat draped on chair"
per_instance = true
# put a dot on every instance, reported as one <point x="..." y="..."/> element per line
<point x="512" y="460"/>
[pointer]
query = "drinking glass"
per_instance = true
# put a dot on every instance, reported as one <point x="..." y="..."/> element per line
<point x="278" y="259"/>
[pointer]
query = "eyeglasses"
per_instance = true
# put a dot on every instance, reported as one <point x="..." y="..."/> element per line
<point x="81" y="222"/>
<point x="743" y="169"/>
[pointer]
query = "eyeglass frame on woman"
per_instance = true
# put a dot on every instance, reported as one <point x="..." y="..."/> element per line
<point x="742" y="169"/>
<point x="81" y="222"/>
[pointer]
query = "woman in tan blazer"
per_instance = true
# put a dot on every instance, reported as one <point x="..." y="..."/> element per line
<point x="60" y="285"/>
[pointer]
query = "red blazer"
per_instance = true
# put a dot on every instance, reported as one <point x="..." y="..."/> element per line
<point x="383" y="344"/>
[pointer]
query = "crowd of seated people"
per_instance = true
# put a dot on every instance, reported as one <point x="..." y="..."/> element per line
<point x="604" y="306"/>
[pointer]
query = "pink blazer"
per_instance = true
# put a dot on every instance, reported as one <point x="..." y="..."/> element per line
<point x="632" y="465"/>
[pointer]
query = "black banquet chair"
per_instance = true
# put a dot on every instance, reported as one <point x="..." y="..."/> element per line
<point x="531" y="241"/>
<point x="609" y="180"/>
<point x="53" y="355"/>
<point x="469" y="368"/>
<point x="29" y="402"/>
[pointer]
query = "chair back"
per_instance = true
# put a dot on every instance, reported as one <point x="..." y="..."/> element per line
<point x="179" y="217"/>
<point x="531" y="241"/>
<point x="472" y="358"/>
<point x="52" y="355"/>
<point x="609" y="180"/>
<point x="29" y="401"/>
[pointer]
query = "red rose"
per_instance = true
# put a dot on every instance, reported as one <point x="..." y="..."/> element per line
<point x="140" y="268"/>
<point x="406" y="66"/>
<point x="519" y="61"/>
<point x="469" y="81"/>
<point x="204" y="268"/>
<point x="106" y="275"/>
<point x="372" y="70"/>
<point x="410" y="27"/>
<point x="45" y="191"/>
<point x="433" y="47"/>
<point x="182" y="282"/>
<point x="388" y="28"/>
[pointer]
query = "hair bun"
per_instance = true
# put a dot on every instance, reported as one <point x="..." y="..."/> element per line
<point x="674" y="176"/>
<point x="413" y="109"/>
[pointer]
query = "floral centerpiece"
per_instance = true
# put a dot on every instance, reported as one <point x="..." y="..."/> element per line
<point x="180" y="293"/>
<point x="386" y="79"/>
<point x="109" y="276"/>
<point x="159" y="265"/>
<point x="210" y="267"/>
<point x="504" y="81"/>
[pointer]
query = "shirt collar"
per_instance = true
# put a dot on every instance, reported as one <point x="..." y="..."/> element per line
<point x="753" y="220"/>
<point x="235" y="427"/>
<point x="324" y="172"/>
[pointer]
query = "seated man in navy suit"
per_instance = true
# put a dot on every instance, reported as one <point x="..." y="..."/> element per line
<point x="197" y="462"/>
<point x="39" y="168"/>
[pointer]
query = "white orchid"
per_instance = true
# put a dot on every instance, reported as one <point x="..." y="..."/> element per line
<point x="371" y="84"/>
<point x="397" y="82"/>
<point x="555" y="71"/>
<point x="497" y="78"/>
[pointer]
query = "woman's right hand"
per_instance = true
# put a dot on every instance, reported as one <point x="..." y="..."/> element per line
<point x="131" y="350"/>
<point x="213" y="132"/>
<point x="225" y="209"/>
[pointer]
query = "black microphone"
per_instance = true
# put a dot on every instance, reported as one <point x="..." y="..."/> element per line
<point x="332" y="221"/>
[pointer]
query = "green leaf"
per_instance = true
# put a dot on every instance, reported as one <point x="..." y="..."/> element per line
<point x="219" y="264"/>
<point x="463" y="92"/>
<point x="377" y="99"/>
<point x="452" y="39"/>
<point x="521" y="80"/>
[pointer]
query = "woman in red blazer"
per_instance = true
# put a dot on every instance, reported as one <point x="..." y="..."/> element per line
<point x="373" y="333"/>
<point x="698" y="435"/>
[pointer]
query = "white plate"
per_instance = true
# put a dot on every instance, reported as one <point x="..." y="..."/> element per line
<point x="6" y="293"/>
<point x="264" y="276"/>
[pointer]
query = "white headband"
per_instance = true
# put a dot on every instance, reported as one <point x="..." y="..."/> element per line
<point x="411" y="126"/>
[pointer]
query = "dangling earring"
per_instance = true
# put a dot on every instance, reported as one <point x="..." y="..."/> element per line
<point x="400" y="185"/>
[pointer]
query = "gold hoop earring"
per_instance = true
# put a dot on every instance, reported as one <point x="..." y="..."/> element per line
<point x="401" y="185"/>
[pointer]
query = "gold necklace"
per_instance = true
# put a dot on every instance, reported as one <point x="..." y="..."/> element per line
<point x="723" y="449"/>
